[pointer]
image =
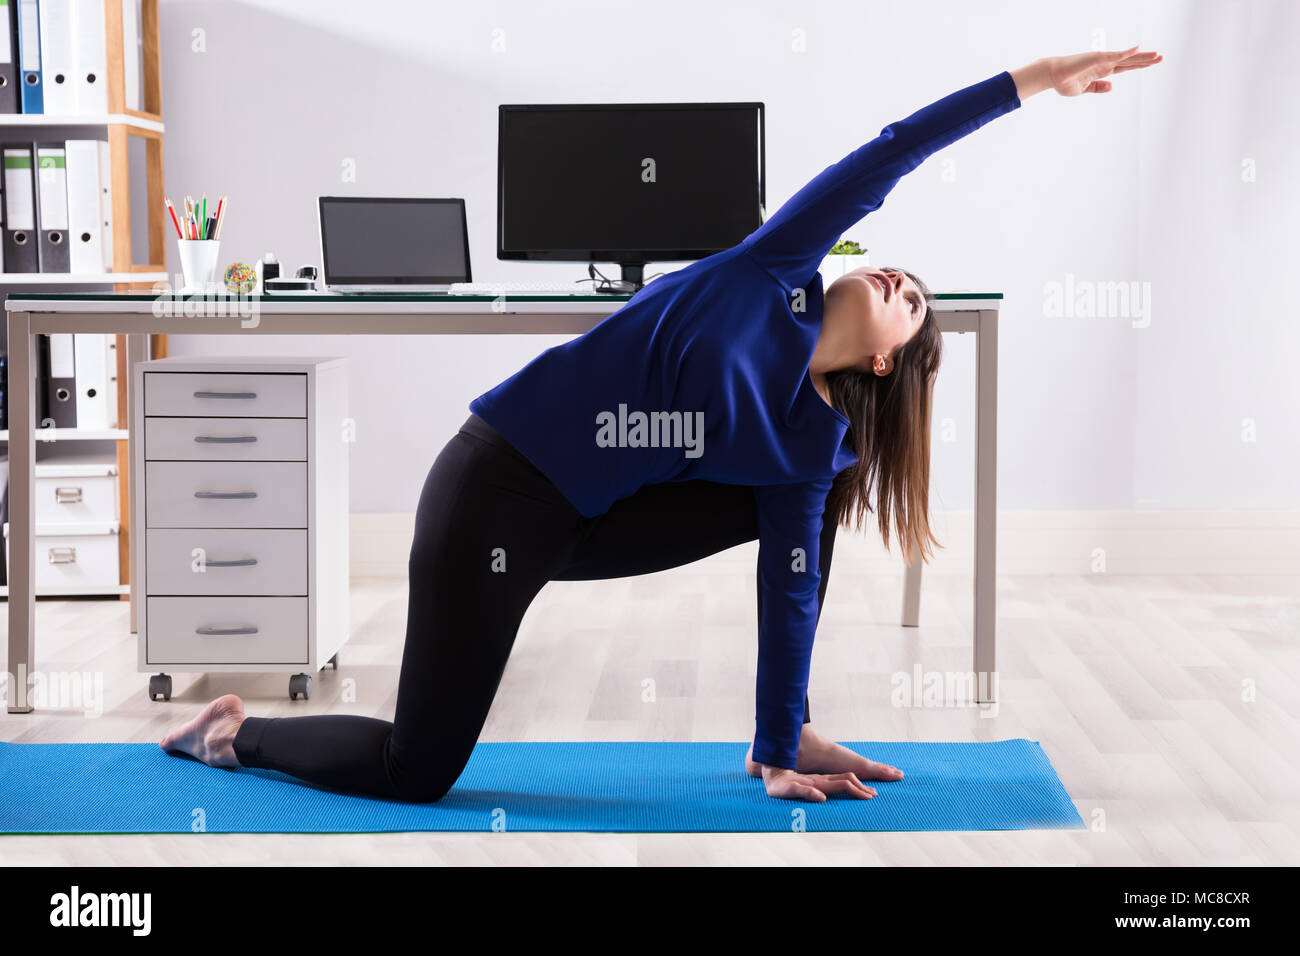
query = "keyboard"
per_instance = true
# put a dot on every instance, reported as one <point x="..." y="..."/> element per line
<point x="579" y="287"/>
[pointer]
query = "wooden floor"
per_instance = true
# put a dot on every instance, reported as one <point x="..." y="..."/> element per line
<point x="1169" y="706"/>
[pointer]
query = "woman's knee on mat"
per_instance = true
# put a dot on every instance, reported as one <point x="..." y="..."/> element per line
<point x="424" y="785"/>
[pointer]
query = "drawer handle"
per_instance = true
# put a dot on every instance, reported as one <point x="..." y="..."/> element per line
<point x="235" y="563"/>
<point x="225" y="394"/>
<point x="224" y="439"/>
<point x="63" y="555"/>
<point x="67" y="495"/>
<point x="225" y="494"/>
<point x="246" y="629"/>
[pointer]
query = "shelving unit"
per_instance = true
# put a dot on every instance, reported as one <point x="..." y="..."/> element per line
<point x="118" y="127"/>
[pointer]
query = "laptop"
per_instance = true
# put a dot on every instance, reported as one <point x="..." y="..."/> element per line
<point x="387" y="244"/>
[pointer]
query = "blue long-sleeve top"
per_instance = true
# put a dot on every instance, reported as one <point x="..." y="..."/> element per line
<point x="704" y="374"/>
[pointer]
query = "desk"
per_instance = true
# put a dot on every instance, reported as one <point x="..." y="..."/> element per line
<point x="139" y="315"/>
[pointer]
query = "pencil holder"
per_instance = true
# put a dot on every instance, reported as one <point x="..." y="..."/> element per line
<point x="199" y="263"/>
<point x="834" y="266"/>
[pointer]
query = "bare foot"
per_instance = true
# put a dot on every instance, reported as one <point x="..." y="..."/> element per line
<point x="820" y="755"/>
<point x="210" y="736"/>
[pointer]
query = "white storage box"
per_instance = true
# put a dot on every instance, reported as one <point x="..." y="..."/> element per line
<point x="74" y="554"/>
<point x="82" y="488"/>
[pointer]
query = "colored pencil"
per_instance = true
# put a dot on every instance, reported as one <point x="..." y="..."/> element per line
<point x="176" y="222"/>
<point x="196" y="222"/>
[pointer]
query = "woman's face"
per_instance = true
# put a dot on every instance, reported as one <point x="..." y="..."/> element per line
<point x="887" y="309"/>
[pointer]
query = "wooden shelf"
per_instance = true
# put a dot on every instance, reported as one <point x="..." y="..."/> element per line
<point x="75" y="434"/>
<point x="93" y="278"/>
<point x="140" y="121"/>
<point x="74" y="590"/>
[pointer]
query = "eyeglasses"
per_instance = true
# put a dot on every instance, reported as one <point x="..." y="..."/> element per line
<point x="603" y="284"/>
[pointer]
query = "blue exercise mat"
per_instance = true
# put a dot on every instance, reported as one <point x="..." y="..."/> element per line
<point x="596" y="787"/>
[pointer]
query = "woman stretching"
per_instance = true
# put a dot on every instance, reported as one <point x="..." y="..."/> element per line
<point x="732" y="400"/>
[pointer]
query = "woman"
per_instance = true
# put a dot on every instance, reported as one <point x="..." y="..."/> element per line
<point x="734" y="399"/>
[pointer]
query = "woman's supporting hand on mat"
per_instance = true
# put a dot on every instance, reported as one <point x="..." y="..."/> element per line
<point x="815" y="787"/>
<point x="1080" y="73"/>
<point x="822" y="767"/>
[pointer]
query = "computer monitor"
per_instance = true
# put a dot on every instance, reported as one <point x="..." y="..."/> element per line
<point x="629" y="183"/>
<point x="383" y="244"/>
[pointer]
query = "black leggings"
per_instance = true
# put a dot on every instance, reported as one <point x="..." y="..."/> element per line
<point x="490" y="531"/>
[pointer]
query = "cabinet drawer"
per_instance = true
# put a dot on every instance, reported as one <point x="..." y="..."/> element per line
<point x="225" y="494"/>
<point x="226" y="630"/>
<point x="234" y="561"/>
<point x="226" y="394"/>
<point x="226" y="439"/>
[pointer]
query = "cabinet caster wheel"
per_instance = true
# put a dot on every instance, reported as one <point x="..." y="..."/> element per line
<point x="160" y="684"/>
<point x="300" y="684"/>
<point x="334" y="660"/>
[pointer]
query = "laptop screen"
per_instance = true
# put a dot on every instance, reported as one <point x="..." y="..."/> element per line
<point x="384" y="241"/>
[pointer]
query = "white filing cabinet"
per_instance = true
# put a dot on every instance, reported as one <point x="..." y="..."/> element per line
<point x="241" y="483"/>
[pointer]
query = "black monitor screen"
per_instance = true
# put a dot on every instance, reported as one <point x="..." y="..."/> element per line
<point x="393" y="241"/>
<point x="628" y="182"/>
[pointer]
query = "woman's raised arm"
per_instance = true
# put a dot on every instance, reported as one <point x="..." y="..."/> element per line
<point x="1080" y="73"/>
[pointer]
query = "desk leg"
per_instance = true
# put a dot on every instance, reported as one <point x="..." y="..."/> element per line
<point x="912" y="593"/>
<point x="986" y="506"/>
<point x="22" y="539"/>
<point x="137" y="350"/>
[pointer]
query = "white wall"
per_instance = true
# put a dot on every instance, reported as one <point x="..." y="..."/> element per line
<point x="1140" y="185"/>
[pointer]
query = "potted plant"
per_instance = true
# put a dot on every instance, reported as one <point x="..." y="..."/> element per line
<point x="845" y="256"/>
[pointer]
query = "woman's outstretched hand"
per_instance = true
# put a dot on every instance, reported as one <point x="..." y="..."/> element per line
<point x="1080" y="73"/>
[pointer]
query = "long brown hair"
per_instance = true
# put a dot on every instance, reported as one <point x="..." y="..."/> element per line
<point x="889" y="430"/>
